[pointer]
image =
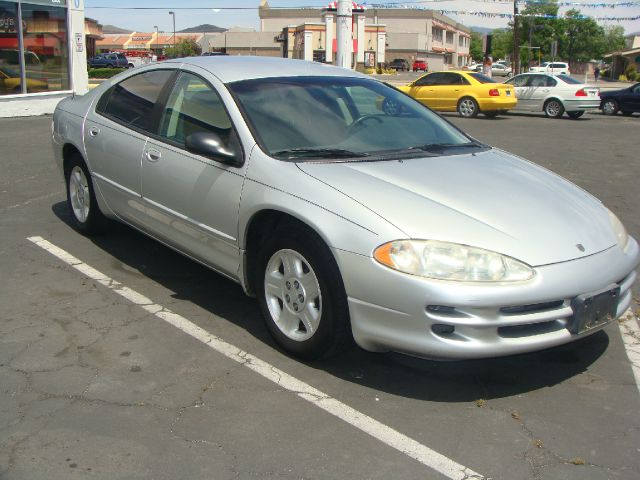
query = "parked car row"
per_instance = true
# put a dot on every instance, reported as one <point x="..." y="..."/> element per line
<point x="347" y="208"/>
<point x="401" y="64"/>
<point x="470" y="93"/>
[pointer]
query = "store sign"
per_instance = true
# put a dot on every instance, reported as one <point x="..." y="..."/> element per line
<point x="8" y="24"/>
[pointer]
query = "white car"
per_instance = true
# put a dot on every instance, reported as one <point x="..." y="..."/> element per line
<point x="561" y="68"/>
<point x="500" y="70"/>
<point x="553" y="94"/>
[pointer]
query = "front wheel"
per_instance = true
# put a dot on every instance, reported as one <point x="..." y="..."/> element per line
<point x="468" y="107"/>
<point x="576" y="114"/>
<point x="301" y="294"/>
<point x="81" y="199"/>
<point x="553" y="108"/>
<point x="610" y="107"/>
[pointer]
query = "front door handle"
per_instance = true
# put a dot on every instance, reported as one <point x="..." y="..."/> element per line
<point x="153" y="155"/>
<point x="94" y="131"/>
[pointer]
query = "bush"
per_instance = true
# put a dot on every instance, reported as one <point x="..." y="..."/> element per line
<point x="104" y="72"/>
<point x="631" y="73"/>
<point x="369" y="71"/>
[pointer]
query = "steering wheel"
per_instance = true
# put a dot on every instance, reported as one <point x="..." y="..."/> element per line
<point x="360" y="122"/>
<point x="391" y="106"/>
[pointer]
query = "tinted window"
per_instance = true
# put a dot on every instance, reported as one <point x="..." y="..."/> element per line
<point x="194" y="106"/>
<point x="453" y="79"/>
<point x="482" y="78"/>
<point x="431" y="79"/>
<point x="537" y="81"/>
<point x="131" y="102"/>
<point x="636" y="89"/>
<point x="568" y="79"/>
<point x="551" y="82"/>
<point x="519" y="81"/>
<point x="558" y="65"/>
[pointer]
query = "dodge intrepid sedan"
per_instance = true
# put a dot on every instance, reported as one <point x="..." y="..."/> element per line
<point x="350" y="210"/>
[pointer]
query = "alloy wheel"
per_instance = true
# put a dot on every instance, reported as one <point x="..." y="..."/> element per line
<point x="79" y="194"/>
<point x="293" y="295"/>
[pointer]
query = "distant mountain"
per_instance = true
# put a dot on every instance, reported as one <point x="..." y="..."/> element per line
<point x="114" y="29"/>
<point x="204" y="28"/>
<point x="482" y="30"/>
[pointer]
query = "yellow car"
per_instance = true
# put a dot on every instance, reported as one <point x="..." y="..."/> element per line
<point x="468" y="93"/>
<point x="10" y="82"/>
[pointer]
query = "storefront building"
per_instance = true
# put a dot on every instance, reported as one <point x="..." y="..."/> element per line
<point x="42" y="54"/>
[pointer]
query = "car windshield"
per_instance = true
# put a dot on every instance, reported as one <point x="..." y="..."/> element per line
<point x="343" y="117"/>
<point x="569" y="80"/>
<point x="482" y="78"/>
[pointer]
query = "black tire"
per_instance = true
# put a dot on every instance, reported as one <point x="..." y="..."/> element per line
<point x="468" y="107"/>
<point x="609" y="107"/>
<point x="553" y="108"/>
<point x="317" y="267"/>
<point x="81" y="198"/>
<point x="109" y="65"/>
<point x="575" y="114"/>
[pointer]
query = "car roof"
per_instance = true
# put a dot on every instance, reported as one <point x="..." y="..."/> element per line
<point x="235" y="68"/>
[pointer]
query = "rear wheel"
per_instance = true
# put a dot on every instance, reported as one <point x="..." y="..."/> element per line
<point x="610" y="107"/>
<point x="468" y="107"/>
<point x="576" y="114"/>
<point x="301" y="294"/>
<point x="81" y="199"/>
<point x="553" y="108"/>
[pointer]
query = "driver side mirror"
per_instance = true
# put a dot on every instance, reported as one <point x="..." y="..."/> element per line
<point x="210" y="145"/>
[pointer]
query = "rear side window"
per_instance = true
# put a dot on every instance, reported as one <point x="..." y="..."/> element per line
<point x="482" y="78"/>
<point x="132" y="101"/>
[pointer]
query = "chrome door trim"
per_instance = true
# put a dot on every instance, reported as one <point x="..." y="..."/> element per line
<point x="116" y="185"/>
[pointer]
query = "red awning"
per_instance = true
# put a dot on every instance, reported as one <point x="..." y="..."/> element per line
<point x="355" y="45"/>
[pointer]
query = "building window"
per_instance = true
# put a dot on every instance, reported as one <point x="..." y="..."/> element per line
<point x="437" y="34"/>
<point x="46" y="48"/>
<point x="10" y="82"/>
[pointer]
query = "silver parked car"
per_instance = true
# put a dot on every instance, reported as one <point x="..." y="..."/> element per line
<point x="554" y="94"/>
<point x="349" y="209"/>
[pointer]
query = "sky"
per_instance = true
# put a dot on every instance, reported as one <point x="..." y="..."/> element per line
<point x="214" y="12"/>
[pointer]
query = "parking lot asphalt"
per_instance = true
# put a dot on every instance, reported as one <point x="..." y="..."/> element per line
<point x="95" y="385"/>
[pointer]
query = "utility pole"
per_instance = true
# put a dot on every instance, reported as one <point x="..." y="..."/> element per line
<point x="516" y="40"/>
<point x="173" y="14"/>
<point x="344" y="40"/>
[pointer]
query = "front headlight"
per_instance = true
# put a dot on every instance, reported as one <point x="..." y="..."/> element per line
<point x="451" y="261"/>
<point x="618" y="228"/>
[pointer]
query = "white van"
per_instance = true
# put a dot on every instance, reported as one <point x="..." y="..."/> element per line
<point x="559" y="68"/>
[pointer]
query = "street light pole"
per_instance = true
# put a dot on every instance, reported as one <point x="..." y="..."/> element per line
<point x="157" y="39"/>
<point x="174" y="27"/>
<point x="516" y="40"/>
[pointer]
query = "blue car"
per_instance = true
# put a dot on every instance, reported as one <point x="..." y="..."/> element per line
<point x="109" y="60"/>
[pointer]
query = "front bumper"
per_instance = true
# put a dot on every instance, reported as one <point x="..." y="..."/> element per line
<point x="392" y="311"/>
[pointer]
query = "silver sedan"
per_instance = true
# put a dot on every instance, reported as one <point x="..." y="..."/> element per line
<point x="348" y="209"/>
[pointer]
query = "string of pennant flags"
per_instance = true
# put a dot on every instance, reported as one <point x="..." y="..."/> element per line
<point x="585" y="4"/>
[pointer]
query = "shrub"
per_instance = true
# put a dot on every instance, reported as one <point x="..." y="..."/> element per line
<point x="104" y="72"/>
<point x="369" y="71"/>
<point x="630" y="72"/>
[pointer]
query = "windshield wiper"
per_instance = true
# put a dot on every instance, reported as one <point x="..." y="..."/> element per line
<point x="430" y="147"/>
<point x="316" y="152"/>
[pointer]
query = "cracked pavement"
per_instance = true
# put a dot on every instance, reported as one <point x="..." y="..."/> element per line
<point x="93" y="386"/>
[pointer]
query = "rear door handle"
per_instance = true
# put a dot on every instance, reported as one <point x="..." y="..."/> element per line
<point x="153" y="155"/>
<point x="94" y="131"/>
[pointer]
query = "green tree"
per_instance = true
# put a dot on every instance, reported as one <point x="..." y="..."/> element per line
<point x="501" y="43"/>
<point x="186" y="47"/>
<point x="614" y="38"/>
<point x="475" y="49"/>
<point x="585" y="38"/>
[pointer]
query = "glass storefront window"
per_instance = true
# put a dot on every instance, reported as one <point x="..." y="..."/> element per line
<point x="9" y="51"/>
<point x="45" y="42"/>
<point x="46" y="49"/>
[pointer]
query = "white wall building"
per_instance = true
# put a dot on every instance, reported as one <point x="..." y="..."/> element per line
<point x="42" y="54"/>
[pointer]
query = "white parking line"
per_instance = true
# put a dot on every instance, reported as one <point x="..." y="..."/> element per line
<point x="631" y="338"/>
<point x="387" y="435"/>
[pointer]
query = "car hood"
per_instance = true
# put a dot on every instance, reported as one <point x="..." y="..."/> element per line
<point x="491" y="200"/>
